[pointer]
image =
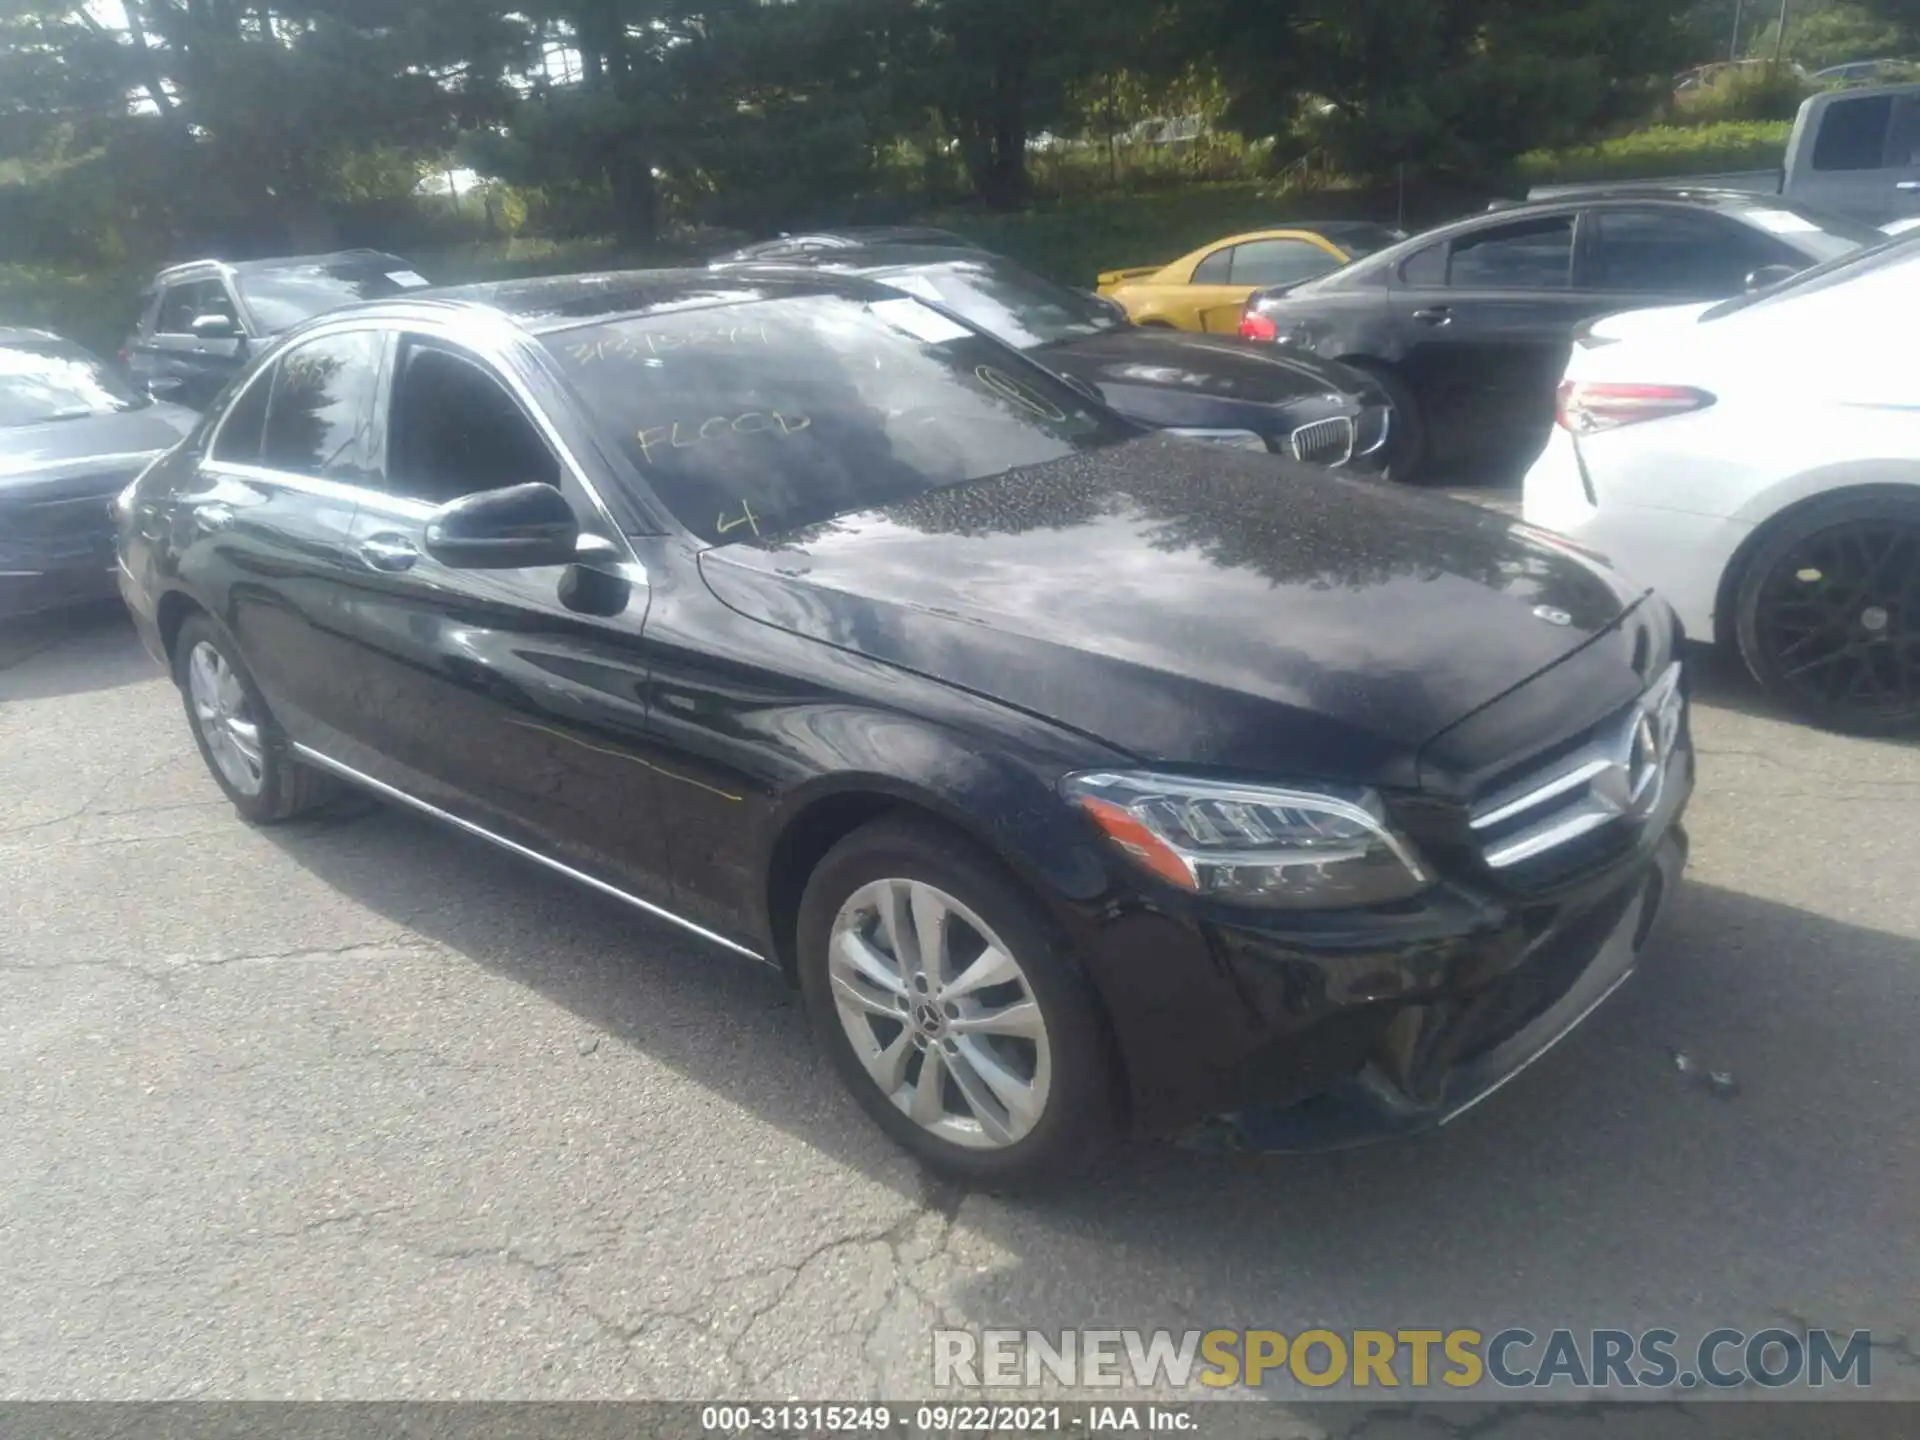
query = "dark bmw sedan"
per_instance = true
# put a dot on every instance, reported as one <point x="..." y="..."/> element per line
<point x="72" y="434"/>
<point x="1078" y="776"/>
<point x="1204" y="387"/>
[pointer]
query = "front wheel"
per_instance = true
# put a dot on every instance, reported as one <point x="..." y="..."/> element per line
<point x="948" y="1009"/>
<point x="238" y="737"/>
<point x="1827" y="614"/>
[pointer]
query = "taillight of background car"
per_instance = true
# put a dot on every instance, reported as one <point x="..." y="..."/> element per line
<point x="1255" y="326"/>
<point x="1587" y="406"/>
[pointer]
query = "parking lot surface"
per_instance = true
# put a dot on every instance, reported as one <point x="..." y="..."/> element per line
<point x="360" y="1108"/>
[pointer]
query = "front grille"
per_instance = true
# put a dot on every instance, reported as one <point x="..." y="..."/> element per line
<point x="1589" y="801"/>
<point x="1324" y="442"/>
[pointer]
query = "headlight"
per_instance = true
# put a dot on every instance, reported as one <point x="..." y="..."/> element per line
<point x="1236" y="439"/>
<point x="1294" y="849"/>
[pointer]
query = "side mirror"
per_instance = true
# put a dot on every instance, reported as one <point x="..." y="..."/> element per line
<point x="1769" y="275"/>
<point x="513" y="529"/>
<point x="215" y="327"/>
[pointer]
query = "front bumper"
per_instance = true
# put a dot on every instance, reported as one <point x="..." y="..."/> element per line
<point x="1378" y="1103"/>
<point x="1326" y="1030"/>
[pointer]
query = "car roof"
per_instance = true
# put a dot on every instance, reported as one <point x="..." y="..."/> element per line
<point x="1706" y="196"/>
<point x="24" y="335"/>
<point x="871" y="259"/>
<point x="564" y="302"/>
<point x="281" y="262"/>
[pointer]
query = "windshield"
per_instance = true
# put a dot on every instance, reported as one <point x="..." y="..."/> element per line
<point x="1009" y="303"/>
<point x="53" y="380"/>
<point x="1861" y="261"/>
<point x="754" y="419"/>
<point x="1810" y="231"/>
<point x="282" y="298"/>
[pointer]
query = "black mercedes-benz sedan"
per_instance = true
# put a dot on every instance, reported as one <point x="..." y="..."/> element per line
<point x="1078" y="776"/>
<point x="1205" y="387"/>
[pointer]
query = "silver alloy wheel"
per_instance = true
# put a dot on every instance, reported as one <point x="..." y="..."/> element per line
<point x="225" y="718"/>
<point x="940" y="1013"/>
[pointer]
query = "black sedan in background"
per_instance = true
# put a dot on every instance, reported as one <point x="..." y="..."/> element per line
<point x="72" y="434"/>
<point x="1078" y="776"/>
<point x="1468" y="327"/>
<point x="1207" y="387"/>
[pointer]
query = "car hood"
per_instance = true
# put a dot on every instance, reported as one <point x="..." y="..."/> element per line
<point x="1181" y="363"/>
<point x="1192" y="605"/>
<point x="118" y="443"/>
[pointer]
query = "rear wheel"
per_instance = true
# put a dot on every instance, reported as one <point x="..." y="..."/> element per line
<point x="948" y="1009"/>
<point x="1407" y="448"/>
<point x="1827" y="614"/>
<point x="238" y="737"/>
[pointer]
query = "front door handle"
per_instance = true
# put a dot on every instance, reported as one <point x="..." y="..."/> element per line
<point x="389" y="552"/>
<point x="1437" y="315"/>
<point x="1910" y="186"/>
<point x="214" y="517"/>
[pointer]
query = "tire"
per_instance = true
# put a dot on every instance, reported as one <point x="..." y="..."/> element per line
<point x="1408" y="450"/>
<point x="1069" y="1065"/>
<point x="284" y="788"/>
<point x="1826" y="614"/>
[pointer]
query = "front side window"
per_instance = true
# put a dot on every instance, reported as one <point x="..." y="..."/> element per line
<point x="755" y="418"/>
<point x="456" y="430"/>
<point x="47" y="380"/>
<point x="1530" y="255"/>
<point x="184" y="304"/>
<point x="1280" y="262"/>
<point x="1010" y="304"/>
<point x="320" y="411"/>
<point x="1671" y="252"/>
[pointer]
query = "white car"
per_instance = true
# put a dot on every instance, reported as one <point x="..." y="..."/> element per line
<point x="1758" y="462"/>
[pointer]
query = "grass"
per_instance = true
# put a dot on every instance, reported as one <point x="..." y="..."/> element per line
<point x="1660" y="150"/>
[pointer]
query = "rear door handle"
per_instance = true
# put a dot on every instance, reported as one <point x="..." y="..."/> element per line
<point x="1437" y="315"/>
<point x="389" y="552"/>
<point x="1910" y="186"/>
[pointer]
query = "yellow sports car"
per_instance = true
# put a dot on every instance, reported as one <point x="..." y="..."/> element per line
<point x="1206" y="289"/>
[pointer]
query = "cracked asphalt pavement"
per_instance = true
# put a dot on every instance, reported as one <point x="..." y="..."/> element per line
<point x="359" y="1108"/>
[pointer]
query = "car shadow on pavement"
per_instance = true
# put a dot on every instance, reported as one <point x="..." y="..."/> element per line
<point x="90" y="648"/>
<point x="1742" y="1113"/>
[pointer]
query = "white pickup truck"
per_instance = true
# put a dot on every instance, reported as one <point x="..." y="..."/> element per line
<point x="1854" y="152"/>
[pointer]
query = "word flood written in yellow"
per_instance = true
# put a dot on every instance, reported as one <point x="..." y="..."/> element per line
<point x="682" y="436"/>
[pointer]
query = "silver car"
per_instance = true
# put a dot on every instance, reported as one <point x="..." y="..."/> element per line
<point x="73" y="433"/>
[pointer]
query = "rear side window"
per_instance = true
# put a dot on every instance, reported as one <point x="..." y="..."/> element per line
<point x="1853" y="134"/>
<point x="1279" y="262"/>
<point x="320" y="414"/>
<point x="1215" y="269"/>
<point x="1529" y="255"/>
<point x="1672" y="252"/>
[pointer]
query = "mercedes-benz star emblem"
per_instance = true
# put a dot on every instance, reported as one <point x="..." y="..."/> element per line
<point x="1643" y="764"/>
